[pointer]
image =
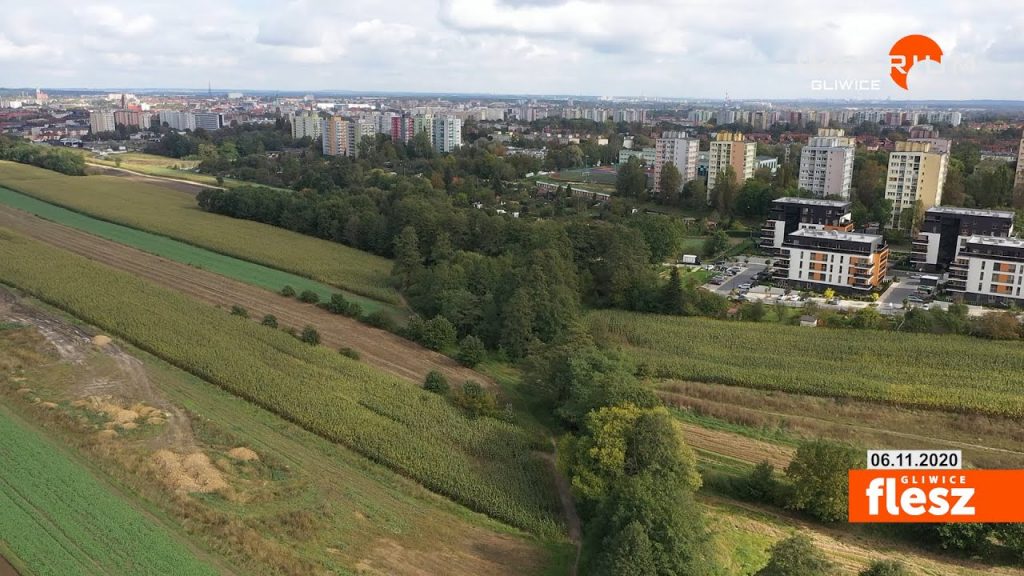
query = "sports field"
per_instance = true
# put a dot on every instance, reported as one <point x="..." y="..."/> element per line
<point x="172" y="213"/>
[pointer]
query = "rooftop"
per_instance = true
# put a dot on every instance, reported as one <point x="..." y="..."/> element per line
<point x="996" y="241"/>
<point x="971" y="212"/>
<point x="836" y="235"/>
<point x="812" y="202"/>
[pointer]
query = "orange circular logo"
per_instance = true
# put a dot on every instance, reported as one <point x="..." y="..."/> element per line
<point x="908" y="51"/>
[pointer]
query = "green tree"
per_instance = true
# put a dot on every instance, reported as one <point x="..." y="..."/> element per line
<point x="436" y="382"/>
<point x="754" y="312"/>
<point x="628" y="553"/>
<point x="886" y="568"/>
<point x="471" y="351"/>
<point x="723" y="196"/>
<point x="695" y="195"/>
<point x="309" y="297"/>
<point x="672" y="294"/>
<point x="438" y="333"/>
<point x="270" y="321"/>
<point x="407" y="256"/>
<point x="237" y="310"/>
<point x="796" y="556"/>
<point x="819" y="474"/>
<point x="288" y="292"/>
<point x="517" y="324"/>
<point x="998" y="326"/>
<point x="670" y="184"/>
<point x="310" y="335"/>
<point x="631" y="181"/>
<point x="716" y="243"/>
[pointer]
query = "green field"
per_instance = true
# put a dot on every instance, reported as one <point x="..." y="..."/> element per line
<point x="244" y="271"/>
<point x="485" y="464"/>
<point x="175" y="214"/>
<point x="957" y="373"/>
<point x="57" y="519"/>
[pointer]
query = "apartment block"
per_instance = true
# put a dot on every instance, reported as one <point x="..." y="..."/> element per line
<point x="101" y="121"/>
<point x="1019" y="178"/>
<point x="306" y="123"/>
<point x="177" y="120"/>
<point x="730" y="149"/>
<point x="916" y="173"/>
<point x="447" y="133"/>
<point x="844" y="261"/>
<point x="787" y="215"/>
<point x="679" y="149"/>
<point x="132" y="118"/>
<point x="946" y="228"/>
<point x="989" y="270"/>
<point x="402" y="129"/>
<point x="341" y="136"/>
<point x="209" y="121"/>
<point x="826" y="165"/>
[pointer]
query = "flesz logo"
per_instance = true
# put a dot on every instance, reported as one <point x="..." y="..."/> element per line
<point x="908" y="51"/>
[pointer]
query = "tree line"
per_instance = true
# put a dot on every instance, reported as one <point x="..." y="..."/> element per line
<point x="53" y="158"/>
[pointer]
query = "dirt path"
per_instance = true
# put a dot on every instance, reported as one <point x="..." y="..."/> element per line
<point x="376" y="347"/>
<point x="6" y="569"/>
<point x="179" y="184"/>
<point x="736" y="446"/>
<point x="572" y="519"/>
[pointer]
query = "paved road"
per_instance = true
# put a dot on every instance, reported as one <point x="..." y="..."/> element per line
<point x="744" y="277"/>
<point x="898" y="291"/>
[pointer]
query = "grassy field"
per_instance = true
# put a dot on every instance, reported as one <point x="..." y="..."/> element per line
<point x="175" y="214"/>
<point x="242" y="270"/>
<point x="306" y="506"/>
<point x="158" y="166"/>
<point x="487" y="465"/>
<point x="956" y="373"/>
<point x="57" y="519"/>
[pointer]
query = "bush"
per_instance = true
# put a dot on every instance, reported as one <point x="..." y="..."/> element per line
<point x="436" y="383"/>
<point x="340" y="305"/>
<point x="819" y="473"/>
<point x="471" y="351"/>
<point x="886" y="568"/>
<point x="796" y="556"/>
<point x="270" y="320"/>
<point x="380" y="319"/>
<point x="310" y="335"/>
<point x="349" y="352"/>
<point x="237" y="310"/>
<point x="309" y="297"/>
<point x="476" y="401"/>
<point x="288" y="291"/>
<point x="760" y="485"/>
<point x="437" y="333"/>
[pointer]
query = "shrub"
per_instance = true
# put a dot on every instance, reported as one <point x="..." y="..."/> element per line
<point x="269" y="320"/>
<point x="819" y="473"/>
<point x="237" y="310"/>
<point x="471" y="351"/>
<point x="476" y="401"/>
<point x="760" y="485"/>
<point x="288" y="291"/>
<point x="309" y="297"/>
<point x="437" y="333"/>
<point x="380" y="319"/>
<point x="349" y="352"/>
<point x="338" y="304"/>
<point x="310" y="335"/>
<point x="886" y="568"/>
<point x="796" y="556"/>
<point x="436" y="383"/>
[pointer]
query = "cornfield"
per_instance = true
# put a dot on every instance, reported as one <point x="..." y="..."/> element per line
<point x="484" y="464"/>
<point x="58" y="520"/>
<point x="955" y="373"/>
<point x="176" y="215"/>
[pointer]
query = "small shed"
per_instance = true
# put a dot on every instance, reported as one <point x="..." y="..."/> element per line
<point x="806" y="320"/>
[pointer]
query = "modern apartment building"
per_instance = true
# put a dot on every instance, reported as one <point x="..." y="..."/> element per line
<point x="787" y="215"/>
<point x="1019" y="179"/>
<point x="101" y="121"/>
<point x="916" y="172"/>
<point x="341" y="135"/>
<point x="946" y="228"/>
<point x="826" y="165"/>
<point x="306" y="123"/>
<point x="177" y="120"/>
<point x="209" y="121"/>
<point x="989" y="270"/>
<point x="679" y="149"/>
<point x="402" y="129"/>
<point x="447" y="133"/>
<point x="844" y="261"/>
<point x="730" y="149"/>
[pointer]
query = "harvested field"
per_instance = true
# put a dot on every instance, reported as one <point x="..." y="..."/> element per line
<point x="376" y="347"/>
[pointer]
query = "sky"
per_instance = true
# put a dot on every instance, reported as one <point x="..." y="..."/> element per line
<point x="770" y="49"/>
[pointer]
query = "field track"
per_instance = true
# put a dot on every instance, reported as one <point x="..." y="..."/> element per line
<point x="376" y="347"/>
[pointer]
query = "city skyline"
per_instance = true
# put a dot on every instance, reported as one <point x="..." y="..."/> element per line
<point x="578" y="47"/>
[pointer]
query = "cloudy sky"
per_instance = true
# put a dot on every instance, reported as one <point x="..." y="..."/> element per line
<point x="673" y="48"/>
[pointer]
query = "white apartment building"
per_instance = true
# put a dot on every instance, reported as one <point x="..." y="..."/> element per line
<point x="177" y="120"/>
<point x="209" y="121"/>
<point x="915" y="173"/>
<point x="679" y="149"/>
<point x="447" y="132"/>
<point x="845" y="261"/>
<point x="306" y="123"/>
<point x="101" y="121"/>
<point x="826" y="165"/>
<point x="989" y="270"/>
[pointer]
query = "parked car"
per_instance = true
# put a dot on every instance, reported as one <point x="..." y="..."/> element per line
<point x="915" y="299"/>
<point x="716" y="280"/>
<point x="744" y="286"/>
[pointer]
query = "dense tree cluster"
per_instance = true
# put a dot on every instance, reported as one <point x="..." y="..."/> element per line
<point x="50" y="157"/>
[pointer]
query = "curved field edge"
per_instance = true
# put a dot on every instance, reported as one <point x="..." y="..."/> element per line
<point x="487" y="465"/>
<point x="166" y="212"/>
<point x="242" y="270"/>
<point x="947" y="372"/>
<point x="58" y="519"/>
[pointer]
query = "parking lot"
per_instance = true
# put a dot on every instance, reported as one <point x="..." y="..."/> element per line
<point x="743" y="274"/>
